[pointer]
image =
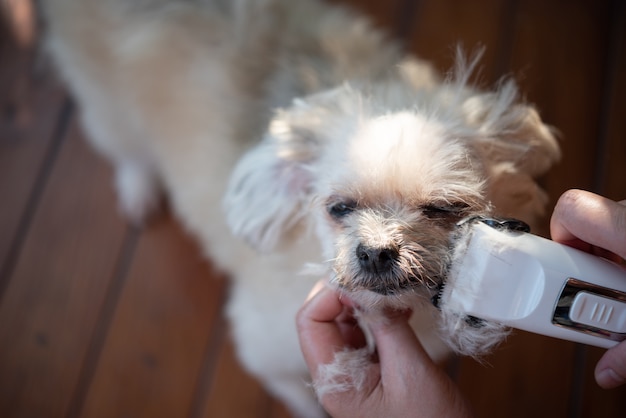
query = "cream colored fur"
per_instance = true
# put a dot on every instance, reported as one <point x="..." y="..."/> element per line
<point x="292" y="112"/>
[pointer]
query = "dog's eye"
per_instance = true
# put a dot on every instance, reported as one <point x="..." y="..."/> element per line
<point x="445" y="210"/>
<point x="341" y="209"/>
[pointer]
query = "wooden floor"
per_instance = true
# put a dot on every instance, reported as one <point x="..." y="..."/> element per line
<point x="101" y="320"/>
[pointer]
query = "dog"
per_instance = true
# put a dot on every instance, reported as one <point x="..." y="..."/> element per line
<point x="292" y="133"/>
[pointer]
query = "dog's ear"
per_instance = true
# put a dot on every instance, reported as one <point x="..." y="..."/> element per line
<point x="516" y="146"/>
<point x="270" y="189"/>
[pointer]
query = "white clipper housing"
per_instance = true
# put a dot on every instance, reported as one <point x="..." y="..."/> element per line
<point x="534" y="284"/>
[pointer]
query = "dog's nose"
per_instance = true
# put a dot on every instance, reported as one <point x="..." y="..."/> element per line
<point x="376" y="260"/>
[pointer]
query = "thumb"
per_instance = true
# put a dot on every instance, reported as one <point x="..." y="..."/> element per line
<point x="611" y="369"/>
<point x="407" y="370"/>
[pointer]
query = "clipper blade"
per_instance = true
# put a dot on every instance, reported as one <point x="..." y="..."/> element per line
<point x="465" y="333"/>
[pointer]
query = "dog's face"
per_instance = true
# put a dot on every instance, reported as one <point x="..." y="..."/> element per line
<point x="387" y="198"/>
<point x="383" y="183"/>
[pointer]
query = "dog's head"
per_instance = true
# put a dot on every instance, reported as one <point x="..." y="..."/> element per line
<point x="383" y="173"/>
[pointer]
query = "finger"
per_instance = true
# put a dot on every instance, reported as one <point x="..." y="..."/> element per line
<point x="611" y="369"/>
<point x="406" y="370"/>
<point x="319" y="335"/>
<point x="582" y="217"/>
<point x="399" y="351"/>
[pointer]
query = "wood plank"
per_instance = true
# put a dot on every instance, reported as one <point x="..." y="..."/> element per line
<point x="560" y="49"/>
<point x="597" y="402"/>
<point x="529" y="375"/>
<point x="155" y="348"/>
<point x="383" y="14"/>
<point x="612" y="178"/>
<point x="30" y="106"/>
<point x="611" y="182"/>
<point x="234" y="392"/>
<point x="439" y="26"/>
<point x="278" y="410"/>
<point x="58" y="286"/>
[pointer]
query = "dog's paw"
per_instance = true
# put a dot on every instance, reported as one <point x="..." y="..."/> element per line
<point x="138" y="192"/>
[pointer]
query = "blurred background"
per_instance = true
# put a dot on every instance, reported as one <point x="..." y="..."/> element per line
<point x="98" y="319"/>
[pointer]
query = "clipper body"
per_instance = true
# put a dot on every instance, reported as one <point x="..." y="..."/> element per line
<point x="534" y="284"/>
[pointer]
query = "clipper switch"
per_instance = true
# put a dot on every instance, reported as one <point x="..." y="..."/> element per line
<point x="599" y="312"/>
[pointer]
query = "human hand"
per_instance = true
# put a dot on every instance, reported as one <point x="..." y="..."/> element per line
<point x="596" y="225"/>
<point x="402" y="381"/>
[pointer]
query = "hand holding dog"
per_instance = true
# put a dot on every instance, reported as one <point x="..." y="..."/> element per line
<point x="402" y="381"/>
<point x="596" y="225"/>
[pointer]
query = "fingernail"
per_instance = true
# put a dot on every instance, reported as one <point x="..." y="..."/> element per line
<point x="609" y="378"/>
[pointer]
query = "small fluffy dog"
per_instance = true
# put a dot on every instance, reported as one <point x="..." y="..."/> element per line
<point x="290" y="132"/>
